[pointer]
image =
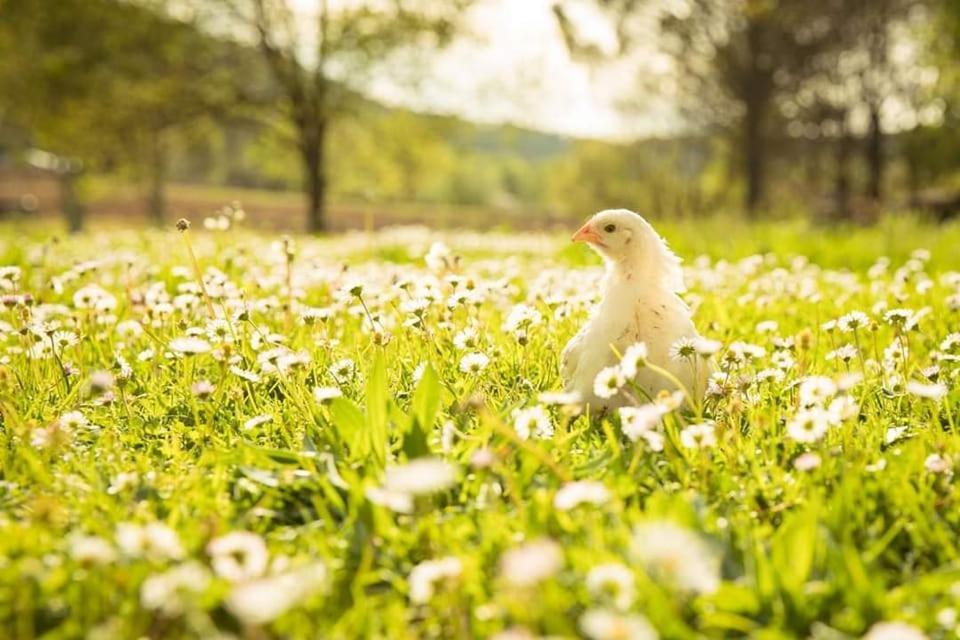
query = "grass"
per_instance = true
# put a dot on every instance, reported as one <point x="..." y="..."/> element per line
<point x="318" y="464"/>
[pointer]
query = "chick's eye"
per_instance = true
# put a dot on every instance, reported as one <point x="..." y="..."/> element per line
<point x="610" y="228"/>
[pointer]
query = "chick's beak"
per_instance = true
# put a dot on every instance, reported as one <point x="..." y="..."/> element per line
<point x="586" y="233"/>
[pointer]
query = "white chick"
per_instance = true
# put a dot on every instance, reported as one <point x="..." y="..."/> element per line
<point x="640" y="304"/>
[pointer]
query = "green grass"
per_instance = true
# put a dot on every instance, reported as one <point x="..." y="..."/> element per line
<point x="114" y="428"/>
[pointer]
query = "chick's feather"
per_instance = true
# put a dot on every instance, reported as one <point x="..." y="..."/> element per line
<point x="639" y="304"/>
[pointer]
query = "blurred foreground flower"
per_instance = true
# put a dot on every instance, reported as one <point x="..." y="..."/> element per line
<point x="258" y="602"/>
<point x="531" y="562"/>
<point x="425" y="575"/>
<point x="894" y="631"/>
<point x="601" y="624"/>
<point x="678" y="555"/>
<point x="238" y="555"/>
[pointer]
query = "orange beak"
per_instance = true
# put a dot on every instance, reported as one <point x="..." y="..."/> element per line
<point x="586" y="233"/>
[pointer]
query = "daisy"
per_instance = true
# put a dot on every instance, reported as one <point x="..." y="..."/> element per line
<point x="699" y="436"/>
<point x="533" y="421"/>
<point x="681" y="556"/>
<point x="421" y="476"/>
<point x="238" y="556"/>
<point x="613" y="579"/>
<point x="532" y="562"/>
<point x="601" y="624"/>
<point x="634" y="359"/>
<point x="189" y="345"/>
<point x="808" y="425"/>
<point x="474" y="362"/>
<point x="636" y="422"/>
<point x="853" y="321"/>
<point x="323" y="395"/>
<point x="894" y="631"/>
<point x="706" y="347"/>
<point x="573" y="494"/>
<point x="934" y="391"/>
<point x="806" y="462"/>
<point x="258" y="602"/>
<point x="423" y="578"/>
<point x="608" y="382"/>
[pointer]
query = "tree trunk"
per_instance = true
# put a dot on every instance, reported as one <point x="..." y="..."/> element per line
<point x="69" y="201"/>
<point x="875" y="155"/>
<point x="157" y="204"/>
<point x="754" y="156"/>
<point x="312" y="149"/>
<point x="842" y="184"/>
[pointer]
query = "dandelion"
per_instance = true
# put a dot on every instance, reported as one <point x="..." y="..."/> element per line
<point x="532" y="562"/>
<point x="533" y="421"/>
<point x="573" y="494"/>
<point x="608" y="382"/>
<point x="699" y="436"/>
<point x="634" y="359"/>
<point x="474" y="362"/>
<point x="423" y="578"/>
<point x="678" y="555"/>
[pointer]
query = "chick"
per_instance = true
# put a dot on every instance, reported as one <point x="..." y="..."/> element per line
<point x="640" y="304"/>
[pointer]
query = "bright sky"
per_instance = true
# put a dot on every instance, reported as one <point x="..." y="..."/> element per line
<point x="516" y="68"/>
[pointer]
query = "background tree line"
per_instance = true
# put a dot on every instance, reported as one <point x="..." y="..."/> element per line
<point x="831" y="107"/>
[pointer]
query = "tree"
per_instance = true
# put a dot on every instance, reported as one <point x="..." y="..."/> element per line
<point x="103" y="83"/>
<point x="321" y="70"/>
<point x="731" y="59"/>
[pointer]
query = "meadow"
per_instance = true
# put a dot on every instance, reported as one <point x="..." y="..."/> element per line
<point x="216" y="433"/>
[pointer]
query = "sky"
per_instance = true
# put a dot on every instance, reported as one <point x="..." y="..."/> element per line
<point x="514" y="67"/>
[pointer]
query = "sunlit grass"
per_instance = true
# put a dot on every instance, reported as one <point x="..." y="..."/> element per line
<point x="331" y="447"/>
